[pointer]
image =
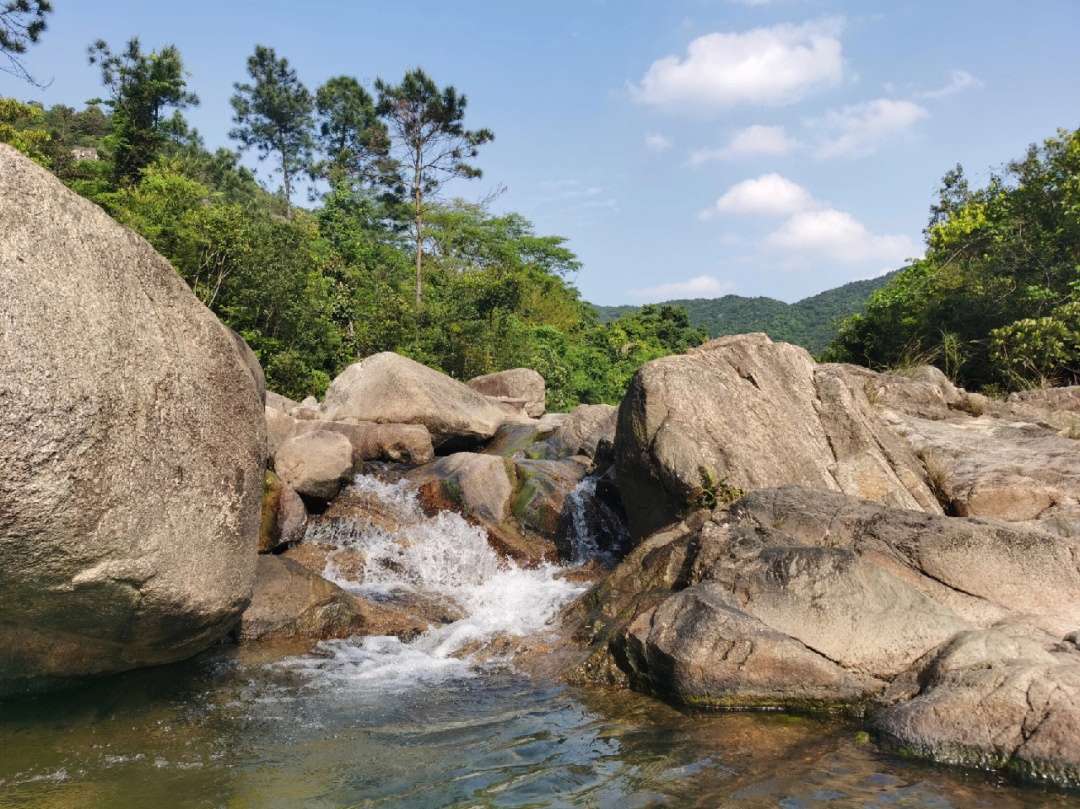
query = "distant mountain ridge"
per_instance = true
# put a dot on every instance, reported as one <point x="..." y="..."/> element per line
<point x="810" y="322"/>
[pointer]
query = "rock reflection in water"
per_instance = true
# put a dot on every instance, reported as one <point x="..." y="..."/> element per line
<point x="226" y="732"/>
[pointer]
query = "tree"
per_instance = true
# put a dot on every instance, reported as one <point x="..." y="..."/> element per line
<point x="142" y="86"/>
<point x="431" y="142"/>
<point x="22" y="23"/>
<point x="274" y="116"/>
<point x="350" y="134"/>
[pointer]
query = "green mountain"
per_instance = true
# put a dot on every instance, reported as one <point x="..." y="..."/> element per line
<point x="810" y="322"/>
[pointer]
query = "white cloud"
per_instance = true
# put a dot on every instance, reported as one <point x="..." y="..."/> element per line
<point x="704" y="286"/>
<point x="769" y="194"/>
<point x="837" y="235"/>
<point x="958" y="80"/>
<point x="861" y="129"/>
<point x="763" y="66"/>
<point x="657" y="142"/>
<point x="754" y="140"/>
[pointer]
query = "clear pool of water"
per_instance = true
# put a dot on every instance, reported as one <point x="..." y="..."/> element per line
<point x="223" y="731"/>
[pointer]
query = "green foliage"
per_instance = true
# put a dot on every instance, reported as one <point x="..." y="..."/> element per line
<point x="141" y="86"/>
<point x="274" y="115"/>
<point x="21" y="128"/>
<point x="810" y="323"/>
<point x="313" y="292"/>
<point x="349" y="134"/>
<point x="993" y="304"/>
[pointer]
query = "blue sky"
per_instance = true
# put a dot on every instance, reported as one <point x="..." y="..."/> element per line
<point x="685" y="149"/>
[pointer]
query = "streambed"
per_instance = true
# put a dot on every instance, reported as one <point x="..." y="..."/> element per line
<point x="375" y="722"/>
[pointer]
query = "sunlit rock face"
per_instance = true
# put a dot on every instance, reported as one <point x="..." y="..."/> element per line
<point x="133" y="438"/>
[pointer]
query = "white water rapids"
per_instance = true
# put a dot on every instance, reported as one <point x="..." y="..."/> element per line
<point x="442" y="556"/>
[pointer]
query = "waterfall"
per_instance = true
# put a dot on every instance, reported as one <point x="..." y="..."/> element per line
<point x="440" y="555"/>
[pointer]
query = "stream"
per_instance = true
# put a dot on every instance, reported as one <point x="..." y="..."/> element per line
<point x="375" y="722"/>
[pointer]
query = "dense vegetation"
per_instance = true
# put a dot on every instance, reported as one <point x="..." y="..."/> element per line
<point x="996" y="302"/>
<point x="811" y="323"/>
<point x="312" y="289"/>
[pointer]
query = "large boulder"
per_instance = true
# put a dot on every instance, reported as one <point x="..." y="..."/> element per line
<point x="742" y="413"/>
<point x="523" y="384"/>
<point x="960" y="634"/>
<point x="389" y="388"/>
<point x="133" y="442"/>
<point x="316" y="464"/>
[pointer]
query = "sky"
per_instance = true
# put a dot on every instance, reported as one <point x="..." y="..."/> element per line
<point x="689" y="148"/>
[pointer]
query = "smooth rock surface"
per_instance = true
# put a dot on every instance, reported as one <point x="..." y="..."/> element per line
<point x="133" y="441"/>
<point x="742" y="413"/>
<point x="316" y="464"/>
<point x="388" y="388"/>
<point x="516" y="383"/>
<point x="960" y="634"/>
<point x="405" y="443"/>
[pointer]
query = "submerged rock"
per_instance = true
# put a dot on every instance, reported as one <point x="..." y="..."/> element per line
<point x="388" y="388"/>
<point x="133" y="441"/>
<point x="742" y="413"/>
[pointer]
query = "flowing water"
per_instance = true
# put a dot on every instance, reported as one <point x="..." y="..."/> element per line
<point x="375" y="722"/>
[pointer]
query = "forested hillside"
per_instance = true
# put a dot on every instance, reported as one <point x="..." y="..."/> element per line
<point x="379" y="260"/>
<point x="811" y="322"/>
<point x="996" y="302"/>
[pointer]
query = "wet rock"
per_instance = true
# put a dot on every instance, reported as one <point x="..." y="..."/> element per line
<point x="291" y="602"/>
<point x="133" y="437"/>
<point x="742" y="413"/>
<point x="315" y="464"/>
<point x="476" y="484"/>
<point x="998" y="698"/>
<point x="583" y="430"/>
<point x="522" y="384"/>
<point x="388" y="388"/>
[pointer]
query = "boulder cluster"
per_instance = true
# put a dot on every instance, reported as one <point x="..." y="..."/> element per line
<point x="777" y="533"/>
<point x="824" y="537"/>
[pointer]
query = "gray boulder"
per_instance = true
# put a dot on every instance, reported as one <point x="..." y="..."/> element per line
<point x="134" y="441"/>
<point x="279" y="427"/>
<point x="316" y="464"/>
<point x="279" y="402"/>
<point x="516" y="383"/>
<point x="742" y="413"/>
<point x="388" y="388"/>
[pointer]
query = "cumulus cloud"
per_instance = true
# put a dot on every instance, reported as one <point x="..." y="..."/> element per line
<point x="704" y="286"/>
<point x="769" y="194"/>
<point x="837" y="235"/>
<point x="958" y="80"/>
<point x="750" y="142"/>
<point x="861" y="129"/>
<point x="657" y="142"/>
<point x="761" y="66"/>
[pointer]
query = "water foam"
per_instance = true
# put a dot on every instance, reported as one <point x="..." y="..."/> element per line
<point x="439" y="555"/>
